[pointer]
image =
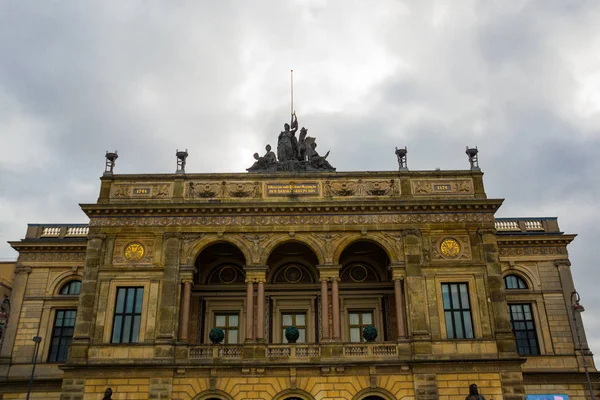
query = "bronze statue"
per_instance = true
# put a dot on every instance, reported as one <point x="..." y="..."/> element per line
<point x="107" y="394"/>
<point x="316" y="161"/>
<point x="293" y="155"/>
<point x="287" y="144"/>
<point x="266" y="163"/>
<point x="474" y="393"/>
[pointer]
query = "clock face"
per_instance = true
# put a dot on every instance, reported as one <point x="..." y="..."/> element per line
<point x="450" y="248"/>
<point x="134" y="251"/>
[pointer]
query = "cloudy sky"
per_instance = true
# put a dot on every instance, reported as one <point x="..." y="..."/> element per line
<point x="519" y="79"/>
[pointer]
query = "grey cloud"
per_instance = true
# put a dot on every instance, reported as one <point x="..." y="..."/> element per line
<point x="147" y="78"/>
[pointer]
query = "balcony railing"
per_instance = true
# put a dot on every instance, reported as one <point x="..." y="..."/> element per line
<point x="59" y="231"/>
<point x="295" y="352"/>
<point x="527" y="225"/>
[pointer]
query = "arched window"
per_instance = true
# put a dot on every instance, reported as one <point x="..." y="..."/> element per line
<point x="514" y="282"/>
<point x="72" y="287"/>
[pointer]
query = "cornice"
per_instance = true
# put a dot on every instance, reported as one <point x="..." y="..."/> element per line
<point x="291" y="175"/>
<point x="40" y="245"/>
<point x="314" y="208"/>
<point x="540" y="240"/>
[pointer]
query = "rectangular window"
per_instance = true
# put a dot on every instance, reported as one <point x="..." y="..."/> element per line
<point x="521" y="320"/>
<point x="294" y="319"/>
<point x="457" y="311"/>
<point x="358" y="320"/>
<point x="128" y="315"/>
<point x="230" y="324"/>
<point x="62" y="333"/>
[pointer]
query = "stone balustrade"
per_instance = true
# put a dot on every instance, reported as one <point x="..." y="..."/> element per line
<point x="58" y="231"/>
<point x="527" y="225"/>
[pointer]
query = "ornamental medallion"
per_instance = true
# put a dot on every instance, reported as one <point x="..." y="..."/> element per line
<point x="450" y="248"/>
<point x="134" y="251"/>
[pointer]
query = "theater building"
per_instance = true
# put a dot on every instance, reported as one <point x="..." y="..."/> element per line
<point x="456" y="296"/>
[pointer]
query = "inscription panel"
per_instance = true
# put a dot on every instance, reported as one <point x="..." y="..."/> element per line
<point x="292" y="189"/>
<point x="433" y="187"/>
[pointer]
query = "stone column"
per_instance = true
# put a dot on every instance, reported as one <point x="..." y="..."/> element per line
<point x="249" y="310"/>
<point x="329" y="272"/>
<point x="185" y="309"/>
<point x="335" y="307"/>
<point x="324" y="309"/>
<point x="505" y="338"/>
<point x="566" y="282"/>
<point x="167" y="312"/>
<point x="260" y="312"/>
<point x="398" y="295"/>
<point x="85" y="310"/>
<point x="17" y="295"/>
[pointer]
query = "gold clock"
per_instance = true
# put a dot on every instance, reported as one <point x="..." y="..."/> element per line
<point x="450" y="248"/>
<point x="134" y="251"/>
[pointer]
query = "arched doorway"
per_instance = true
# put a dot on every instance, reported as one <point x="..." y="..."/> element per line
<point x="366" y="291"/>
<point x="218" y="294"/>
<point x="292" y="293"/>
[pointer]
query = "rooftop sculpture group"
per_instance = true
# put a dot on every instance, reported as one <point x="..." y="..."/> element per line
<point x="293" y="154"/>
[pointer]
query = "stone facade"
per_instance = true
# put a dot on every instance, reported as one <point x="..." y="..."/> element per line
<point x="418" y="255"/>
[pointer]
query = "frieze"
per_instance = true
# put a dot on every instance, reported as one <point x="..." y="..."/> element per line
<point x="361" y="187"/>
<point x="220" y="190"/>
<point x="133" y="191"/>
<point x="287" y="220"/>
<point x="436" y="187"/>
<point x="463" y="252"/>
<point x="532" y="251"/>
<point x="121" y="255"/>
<point x="51" y="256"/>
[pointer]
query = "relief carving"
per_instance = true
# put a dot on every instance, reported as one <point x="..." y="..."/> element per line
<point x="49" y="256"/>
<point x="361" y="187"/>
<point x="215" y="190"/>
<point x="256" y="239"/>
<point x="461" y="252"/>
<point x="122" y="249"/>
<point x="289" y="220"/>
<point x="532" y="251"/>
<point x="433" y="187"/>
<point x="151" y="190"/>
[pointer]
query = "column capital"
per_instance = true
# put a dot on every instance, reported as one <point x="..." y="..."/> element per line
<point x="188" y="268"/>
<point x="187" y="281"/>
<point x="398" y="271"/>
<point x="94" y="236"/>
<point x="256" y="273"/>
<point x="328" y="272"/>
<point x="169" y="235"/>
<point x="562" y="263"/>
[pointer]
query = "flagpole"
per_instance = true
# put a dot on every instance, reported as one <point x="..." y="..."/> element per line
<point x="292" y="91"/>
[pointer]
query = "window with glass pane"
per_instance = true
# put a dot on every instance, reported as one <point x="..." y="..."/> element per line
<point x="72" y="287"/>
<point x="521" y="320"/>
<point x="62" y="333"/>
<point x="457" y="311"/>
<point x="128" y="315"/>
<point x="230" y="324"/>
<point x="358" y="320"/>
<point x="514" y="282"/>
<point x="294" y="319"/>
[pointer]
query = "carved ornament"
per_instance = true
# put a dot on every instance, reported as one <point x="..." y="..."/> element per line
<point x="441" y="187"/>
<point x="359" y="187"/>
<point x="50" y="256"/>
<point x="532" y="251"/>
<point x="455" y="247"/>
<point x="150" y="190"/>
<point x="290" y="220"/>
<point x="137" y="251"/>
<point x="215" y="190"/>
